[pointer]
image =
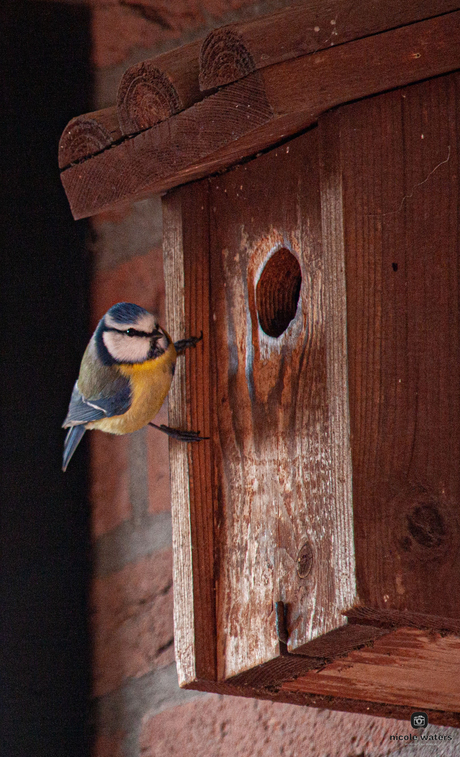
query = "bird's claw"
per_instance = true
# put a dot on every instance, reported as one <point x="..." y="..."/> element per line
<point x="179" y="434"/>
<point x="182" y="344"/>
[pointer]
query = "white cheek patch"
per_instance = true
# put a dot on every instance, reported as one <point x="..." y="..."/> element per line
<point x="126" y="349"/>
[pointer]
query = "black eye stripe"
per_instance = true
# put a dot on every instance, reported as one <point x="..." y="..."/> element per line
<point x="134" y="332"/>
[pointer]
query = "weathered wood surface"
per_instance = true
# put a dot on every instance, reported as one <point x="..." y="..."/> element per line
<point x="316" y="655"/>
<point x="399" y="167"/>
<point x="87" y="135"/>
<point x="392" y="216"/>
<point x="233" y="51"/>
<point x="152" y="161"/>
<point x="387" y="170"/>
<point x="408" y="667"/>
<point x="187" y="304"/>
<point x="397" y="618"/>
<point x="290" y="695"/>
<point x="157" y="88"/>
<point x="269" y="517"/>
<point x="391" y="676"/>
<point x="284" y="527"/>
<point x="258" y="111"/>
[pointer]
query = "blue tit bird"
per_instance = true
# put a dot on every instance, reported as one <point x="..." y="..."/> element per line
<point x="125" y="375"/>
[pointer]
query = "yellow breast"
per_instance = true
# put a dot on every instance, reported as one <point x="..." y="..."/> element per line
<point x="150" y="383"/>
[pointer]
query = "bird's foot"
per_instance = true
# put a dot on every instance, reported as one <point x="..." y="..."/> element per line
<point x="182" y="344"/>
<point x="177" y="433"/>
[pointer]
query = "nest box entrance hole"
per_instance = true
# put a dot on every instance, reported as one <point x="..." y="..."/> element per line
<point x="277" y="292"/>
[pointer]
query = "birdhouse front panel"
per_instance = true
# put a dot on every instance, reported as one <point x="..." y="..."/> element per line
<point x="277" y="519"/>
<point x="281" y="514"/>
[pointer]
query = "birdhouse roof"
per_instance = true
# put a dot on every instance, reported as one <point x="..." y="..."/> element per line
<point x="205" y="106"/>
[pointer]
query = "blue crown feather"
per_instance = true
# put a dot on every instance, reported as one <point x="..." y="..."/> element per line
<point x="126" y="312"/>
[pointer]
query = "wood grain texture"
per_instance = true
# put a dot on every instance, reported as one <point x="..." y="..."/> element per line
<point x="289" y="694"/>
<point x="399" y="166"/>
<point x="151" y="161"/>
<point x="156" y="88"/>
<point x="276" y="457"/>
<point x="195" y="219"/>
<point x="397" y="618"/>
<point x="187" y="305"/>
<point x="270" y="675"/>
<point x="316" y="655"/>
<point x="184" y="610"/>
<point x="409" y="667"/>
<point x="338" y="642"/>
<point x="364" y="67"/>
<point x="233" y="51"/>
<point x="87" y="135"/>
<point x="250" y="509"/>
<point x="256" y="112"/>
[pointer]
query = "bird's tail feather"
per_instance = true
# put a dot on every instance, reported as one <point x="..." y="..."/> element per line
<point x="72" y="440"/>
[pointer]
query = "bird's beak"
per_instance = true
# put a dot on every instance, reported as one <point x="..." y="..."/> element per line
<point x="156" y="334"/>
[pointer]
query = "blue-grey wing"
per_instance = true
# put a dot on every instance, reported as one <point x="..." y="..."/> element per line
<point x="83" y="410"/>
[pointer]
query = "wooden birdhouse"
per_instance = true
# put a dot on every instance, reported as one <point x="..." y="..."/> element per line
<point x="310" y="160"/>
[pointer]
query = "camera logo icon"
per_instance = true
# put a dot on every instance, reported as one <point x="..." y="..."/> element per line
<point x="419" y="720"/>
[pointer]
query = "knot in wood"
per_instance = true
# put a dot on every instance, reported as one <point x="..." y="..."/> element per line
<point x="425" y="525"/>
<point x="304" y="560"/>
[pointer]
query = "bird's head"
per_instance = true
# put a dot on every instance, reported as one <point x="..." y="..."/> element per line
<point x="129" y="334"/>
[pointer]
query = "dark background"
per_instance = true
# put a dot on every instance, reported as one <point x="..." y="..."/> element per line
<point x="44" y="562"/>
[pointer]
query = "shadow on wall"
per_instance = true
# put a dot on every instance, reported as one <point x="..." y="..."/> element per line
<point x="44" y="554"/>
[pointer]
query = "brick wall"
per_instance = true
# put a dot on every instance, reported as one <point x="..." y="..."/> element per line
<point x="139" y="709"/>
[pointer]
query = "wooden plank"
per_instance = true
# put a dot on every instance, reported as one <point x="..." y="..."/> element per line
<point x="408" y="667"/>
<point x="187" y="310"/>
<point x="184" y="610"/>
<point x="289" y="694"/>
<point x="333" y="243"/>
<point x="257" y="111"/>
<point x="396" y="618"/>
<point x="399" y="162"/>
<point x="199" y="380"/>
<point x="157" y="88"/>
<point x="368" y="66"/>
<point x="87" y="135"/>
<point x="270" y="675"/>
<point x="338" y="642"/>
<point x="152" y="161"/>
<point x="234" y="51"/>
<point x="284" y="527"/>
